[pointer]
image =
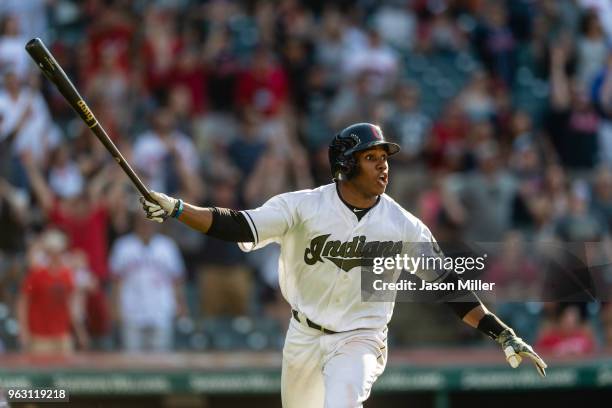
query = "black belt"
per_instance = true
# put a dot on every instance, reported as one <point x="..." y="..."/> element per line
<point x="312" y="324"/>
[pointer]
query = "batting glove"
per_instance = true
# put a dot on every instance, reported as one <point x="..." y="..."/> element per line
<point x="163" y="207"/>
<point x="515" y="349"/>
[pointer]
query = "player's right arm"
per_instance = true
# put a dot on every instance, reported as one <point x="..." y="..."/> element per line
<point x="261" y="225"/>
<point x="220" y="223"/>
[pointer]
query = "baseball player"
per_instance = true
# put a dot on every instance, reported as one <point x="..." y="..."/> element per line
<point x="336" y="344"/>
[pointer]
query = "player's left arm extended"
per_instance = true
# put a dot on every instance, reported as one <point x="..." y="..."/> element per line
<point x="469" y="308"/>
<point x="478" y="316"/>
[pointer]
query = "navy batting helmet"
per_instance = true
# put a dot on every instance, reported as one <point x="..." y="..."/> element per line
<point x="357" y="137"/>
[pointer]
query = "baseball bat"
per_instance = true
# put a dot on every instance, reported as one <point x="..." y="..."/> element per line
<point x="54" y="73"/>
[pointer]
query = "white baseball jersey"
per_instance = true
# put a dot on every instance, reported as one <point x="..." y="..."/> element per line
<point x="147" y="272"/>
<point x="322" y="245"/>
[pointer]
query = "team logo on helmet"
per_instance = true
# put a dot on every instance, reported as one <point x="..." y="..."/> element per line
<point x="377" y="133"/>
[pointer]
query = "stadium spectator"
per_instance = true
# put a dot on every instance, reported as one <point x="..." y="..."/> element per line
<point x="148" y="292"/>
<point x="514" y="271"/>
<point x="441" y="34"/>
<point x="579" y="225"/>
<point x="527" y="166"/>
<point x="32" y="16"/>
<point x="476" y="99"/>
<point x="591" y="48"/>
<point x="570" y="333"/>
<point x="556" y="187"/>
<point x="83" y="215"/>
<point x="486" y="196"/>
<point x="222" y="67"/>
<point x="315" y="127"/>
<point x="352" y="102"/>
<point x="408" y="125"/>
<point x="448" y="137"/>
<point x="188" y="81"/>
<point x="601" y="94"/>
<point x="45" y="307"/>
<point x="249" y="144"/>
<point x="410" y="128"/>
<point x="108" y="89"/>
<point x="14" y="221"/>
<point x="161" y="47"/>
<point x="376" y="61"/>
<point x="396" y="25"/>
<point x="573" y="123"/>
<point x="166" y="156"/>
<point x="111" y="32"/>
<point x="12" y="57"/>
<point x="263" y="86"/>
<point x="496" y="43"/>
<point x="225" y="282"/>
<point x="26" y="125"/>
<point x="329" y="47"/>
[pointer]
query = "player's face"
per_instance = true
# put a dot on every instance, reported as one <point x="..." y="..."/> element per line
<point x="373" y="171"/>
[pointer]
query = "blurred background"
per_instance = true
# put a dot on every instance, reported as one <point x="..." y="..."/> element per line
<point x="503" y="110"/>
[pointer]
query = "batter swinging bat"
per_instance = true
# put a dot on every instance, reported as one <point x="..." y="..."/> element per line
<point x="54" y="72"/>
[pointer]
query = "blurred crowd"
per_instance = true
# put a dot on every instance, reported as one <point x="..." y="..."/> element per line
<point x="503" y="110"/>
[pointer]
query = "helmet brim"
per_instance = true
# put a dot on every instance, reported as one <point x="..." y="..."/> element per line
<point x="391" y="147"/>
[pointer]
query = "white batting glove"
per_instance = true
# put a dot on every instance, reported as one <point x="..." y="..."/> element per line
<point x="163" y="208"/>
<point x="515" y="349"/>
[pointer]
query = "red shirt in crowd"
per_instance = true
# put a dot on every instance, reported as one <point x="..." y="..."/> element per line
<point x="193" y="79"/>
<point x="574" y="343"/>
<point x="112" y="38"/>
<point x="88" y="233"/>
<point x="266" y="91"/>
<point x="48" y="301"/>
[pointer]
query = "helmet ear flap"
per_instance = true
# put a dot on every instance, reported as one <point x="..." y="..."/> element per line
<point x="347" y="166"/>
<point x="342" y="165"/>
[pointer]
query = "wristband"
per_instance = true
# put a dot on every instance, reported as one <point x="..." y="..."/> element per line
<point x="492" y="326"/>
<point x="178" y="208"/>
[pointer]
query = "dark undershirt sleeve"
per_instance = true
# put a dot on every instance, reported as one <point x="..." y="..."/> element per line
<point x="469" y="300"/>
<point x="229" y="225"/>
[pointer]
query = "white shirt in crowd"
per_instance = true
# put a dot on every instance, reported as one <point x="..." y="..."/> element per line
<point x="38" y="135"/>
<point x="150" y="152"/>
<point x="13" y="57"/>
<point x="147" y="273"/>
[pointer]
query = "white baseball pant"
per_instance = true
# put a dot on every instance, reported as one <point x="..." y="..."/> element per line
<point x="330" y="370"/>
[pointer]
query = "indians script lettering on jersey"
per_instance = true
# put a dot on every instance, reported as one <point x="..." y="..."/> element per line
<point x="322" y="244"/>
<point x="348" y="255"/>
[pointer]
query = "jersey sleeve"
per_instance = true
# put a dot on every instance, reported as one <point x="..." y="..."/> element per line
<point x="270" y="222"/>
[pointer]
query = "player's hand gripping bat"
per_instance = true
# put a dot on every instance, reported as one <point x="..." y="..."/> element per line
<point x="54" y="73"/>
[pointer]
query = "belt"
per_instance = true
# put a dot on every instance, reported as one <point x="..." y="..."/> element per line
<point x="311" y="324"/>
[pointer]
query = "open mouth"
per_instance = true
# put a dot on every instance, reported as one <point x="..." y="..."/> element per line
<point x="383" y="178"/>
